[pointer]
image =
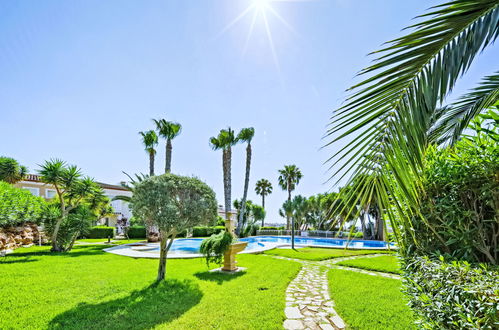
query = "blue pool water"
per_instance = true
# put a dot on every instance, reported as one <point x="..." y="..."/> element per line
<point x="191" y="245"/>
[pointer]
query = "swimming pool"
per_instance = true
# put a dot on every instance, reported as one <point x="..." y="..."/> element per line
<point x="189" y="247"/>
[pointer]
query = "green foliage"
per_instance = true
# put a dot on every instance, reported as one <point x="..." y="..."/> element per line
<point x="174" y="203"/>
<point x="358" y="235"/>
<point x="136" y="232"/>
<point x="452" y="295"/>
<point x="18" y="206"/>
<point x="101" y="232"/>
<point x="203" y="231"/>
<point x="461" y="199"/>
<point x="269" y="228"/>
<point x="369" y="302"/>
<point x="214" y="247"/>
<point x="11" y="171"/>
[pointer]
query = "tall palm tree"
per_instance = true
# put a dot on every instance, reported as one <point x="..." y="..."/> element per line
<point x="263" y="188"/>
<point x="245" y="135"/>
<point x="289" y="177"/>
<point x="225" y="140"/>
<point x="168" y="130"/>
<point x="150" y="141"/>
<point x="400" y="107"/>
<point x="11" y="171"/>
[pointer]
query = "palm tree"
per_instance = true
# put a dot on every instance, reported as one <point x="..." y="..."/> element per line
<point x="150" y="141"/>
<point x="288" y="179"/>
<point x="225" y="140"/>
<point x="287" y="211"/>
<point x="11" y="171"/>
<point x="245" y="135"/>
<point x="399" y="108"/>
<point x="263" y="188"/>
<point x="168" y="130"/>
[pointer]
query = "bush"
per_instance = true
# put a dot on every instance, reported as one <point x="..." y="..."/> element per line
<point x="136" y="232"/>
<point x="452" y="295"/>
<point x="358" y="235"/>
<point x="206" y="231"/>
<point x="269" y="228"/>
<point x="18" y="206"/>
<point x="101" y="232"/>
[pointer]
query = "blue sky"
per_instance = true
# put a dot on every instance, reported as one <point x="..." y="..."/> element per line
<point x="79" y="79"/>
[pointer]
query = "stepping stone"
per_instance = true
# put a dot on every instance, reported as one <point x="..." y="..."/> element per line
<point x="338" y="322"/>
<point x="293" y="325"/>
<point x="293" y="313"/>
<point x="326" y="326"/>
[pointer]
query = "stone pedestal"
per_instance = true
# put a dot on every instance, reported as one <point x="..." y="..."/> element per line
<point x="230" y="254"/>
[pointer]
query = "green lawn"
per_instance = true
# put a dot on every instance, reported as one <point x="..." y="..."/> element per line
<point x="104" y="240"/>
<point x="90" y="289"/>
<point x="369" y="302"/>
<point x="387" y="264"/>
<point x="320" y="253"/>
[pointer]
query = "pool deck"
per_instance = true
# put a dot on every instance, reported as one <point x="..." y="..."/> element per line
<point x="138" y="250"/>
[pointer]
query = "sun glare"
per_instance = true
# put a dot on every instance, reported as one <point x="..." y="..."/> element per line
<point x="260" y="11"/>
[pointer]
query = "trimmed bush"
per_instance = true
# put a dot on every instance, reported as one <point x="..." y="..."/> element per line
<point x="358" y="235"/>
<point x="136" y="232"/>
<point x="452" y="295"/>
<point x="206" y="231"/>
<point x="101" y="232"/>
<point x="269" y="228"/>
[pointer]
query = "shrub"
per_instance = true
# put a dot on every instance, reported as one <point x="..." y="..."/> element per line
<point x="214" y="247"/>
<point x="358" y="235"/>
<point x="18" y="206"/>
<point x="136" y="232"/>
<point x="202" y="231"/>
<point x="452" y="295"/>
<point x="269" y="228"/>
<point x="101" y="232"/>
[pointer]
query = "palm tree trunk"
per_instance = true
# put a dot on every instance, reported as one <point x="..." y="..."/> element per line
<point x="168" y="156"/>
<point x="263" y="206"/>
<point x="226" y="155"/>
<point x="293" y="233"/>
<point x="151" y="163"/>
<point x="245" y="191"/>
<point x="289" y="200"/>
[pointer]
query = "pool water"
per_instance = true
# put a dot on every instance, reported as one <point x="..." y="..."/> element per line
<point x="189" y="247"/>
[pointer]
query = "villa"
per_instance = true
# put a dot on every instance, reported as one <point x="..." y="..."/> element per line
<point x="33" y="184"/>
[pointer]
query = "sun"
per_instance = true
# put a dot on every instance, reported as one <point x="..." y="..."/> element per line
<point x="261" y="9"/>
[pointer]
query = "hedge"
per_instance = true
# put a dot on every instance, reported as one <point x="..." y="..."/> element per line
<point x="206" y="231"/>
<point x="453" y="295"/>
<point x="269" y="228"/>
<point x="136" y="232"/>
<point x="101" y="232"/>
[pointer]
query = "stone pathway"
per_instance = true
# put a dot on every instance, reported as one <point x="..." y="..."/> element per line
<point x="308" y="304"/>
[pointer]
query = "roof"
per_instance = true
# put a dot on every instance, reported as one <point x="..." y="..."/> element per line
<point x="36" y="178"/>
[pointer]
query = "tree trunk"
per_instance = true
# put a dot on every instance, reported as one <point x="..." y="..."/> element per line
<point x="263" y="206"/>
<point x="168" y="156"/>
<point x="293" y="233"/>
<point x="151" y="164"/>
<point x="164" y="247"/>
<point x="289" y="199"/>
<point x="363" y="224"/>
<point x="55" y="246"/>
<point x="226" y="159"/>
<point x="245" y="191"/>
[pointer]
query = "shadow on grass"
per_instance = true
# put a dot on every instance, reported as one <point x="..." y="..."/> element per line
<point x="77" y="251"/>
<point x="218" y="277"/>
<point x="143" y="309"/>
<point x="14" y="260"/>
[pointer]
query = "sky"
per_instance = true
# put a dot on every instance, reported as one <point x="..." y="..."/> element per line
<point x="79" y="79"/>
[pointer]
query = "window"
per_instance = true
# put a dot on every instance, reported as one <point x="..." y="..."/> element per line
<point x="33" y="191"/>
<point x="50" y="193"/>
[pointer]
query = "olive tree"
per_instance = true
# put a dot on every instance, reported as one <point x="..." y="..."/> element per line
<point x="173" y="203"/>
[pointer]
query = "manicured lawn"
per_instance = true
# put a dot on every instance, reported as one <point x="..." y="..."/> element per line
<point x="387" y="264"/>
<point x="104" y="240"/>
<point x="90" y="289"/>
<point x="369" y="302"/>
<point x="320" y="253"/>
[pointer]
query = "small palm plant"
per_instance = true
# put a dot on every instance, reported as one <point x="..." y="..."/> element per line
<point x="224" y="141"/>
<point x="150" y="141"/>
<point x="168" y="130"/>
<point x="289" y="178"/>
<point x="245" y="135"/>
<point x="263" y="188"/>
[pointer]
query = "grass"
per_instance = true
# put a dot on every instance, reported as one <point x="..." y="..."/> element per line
<point x="369" y="302"/>
<point x="387" y="264"/>
<point x="113" y="241"/>
<point x="88" y="288"/>
<point x="317" y="254"/>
